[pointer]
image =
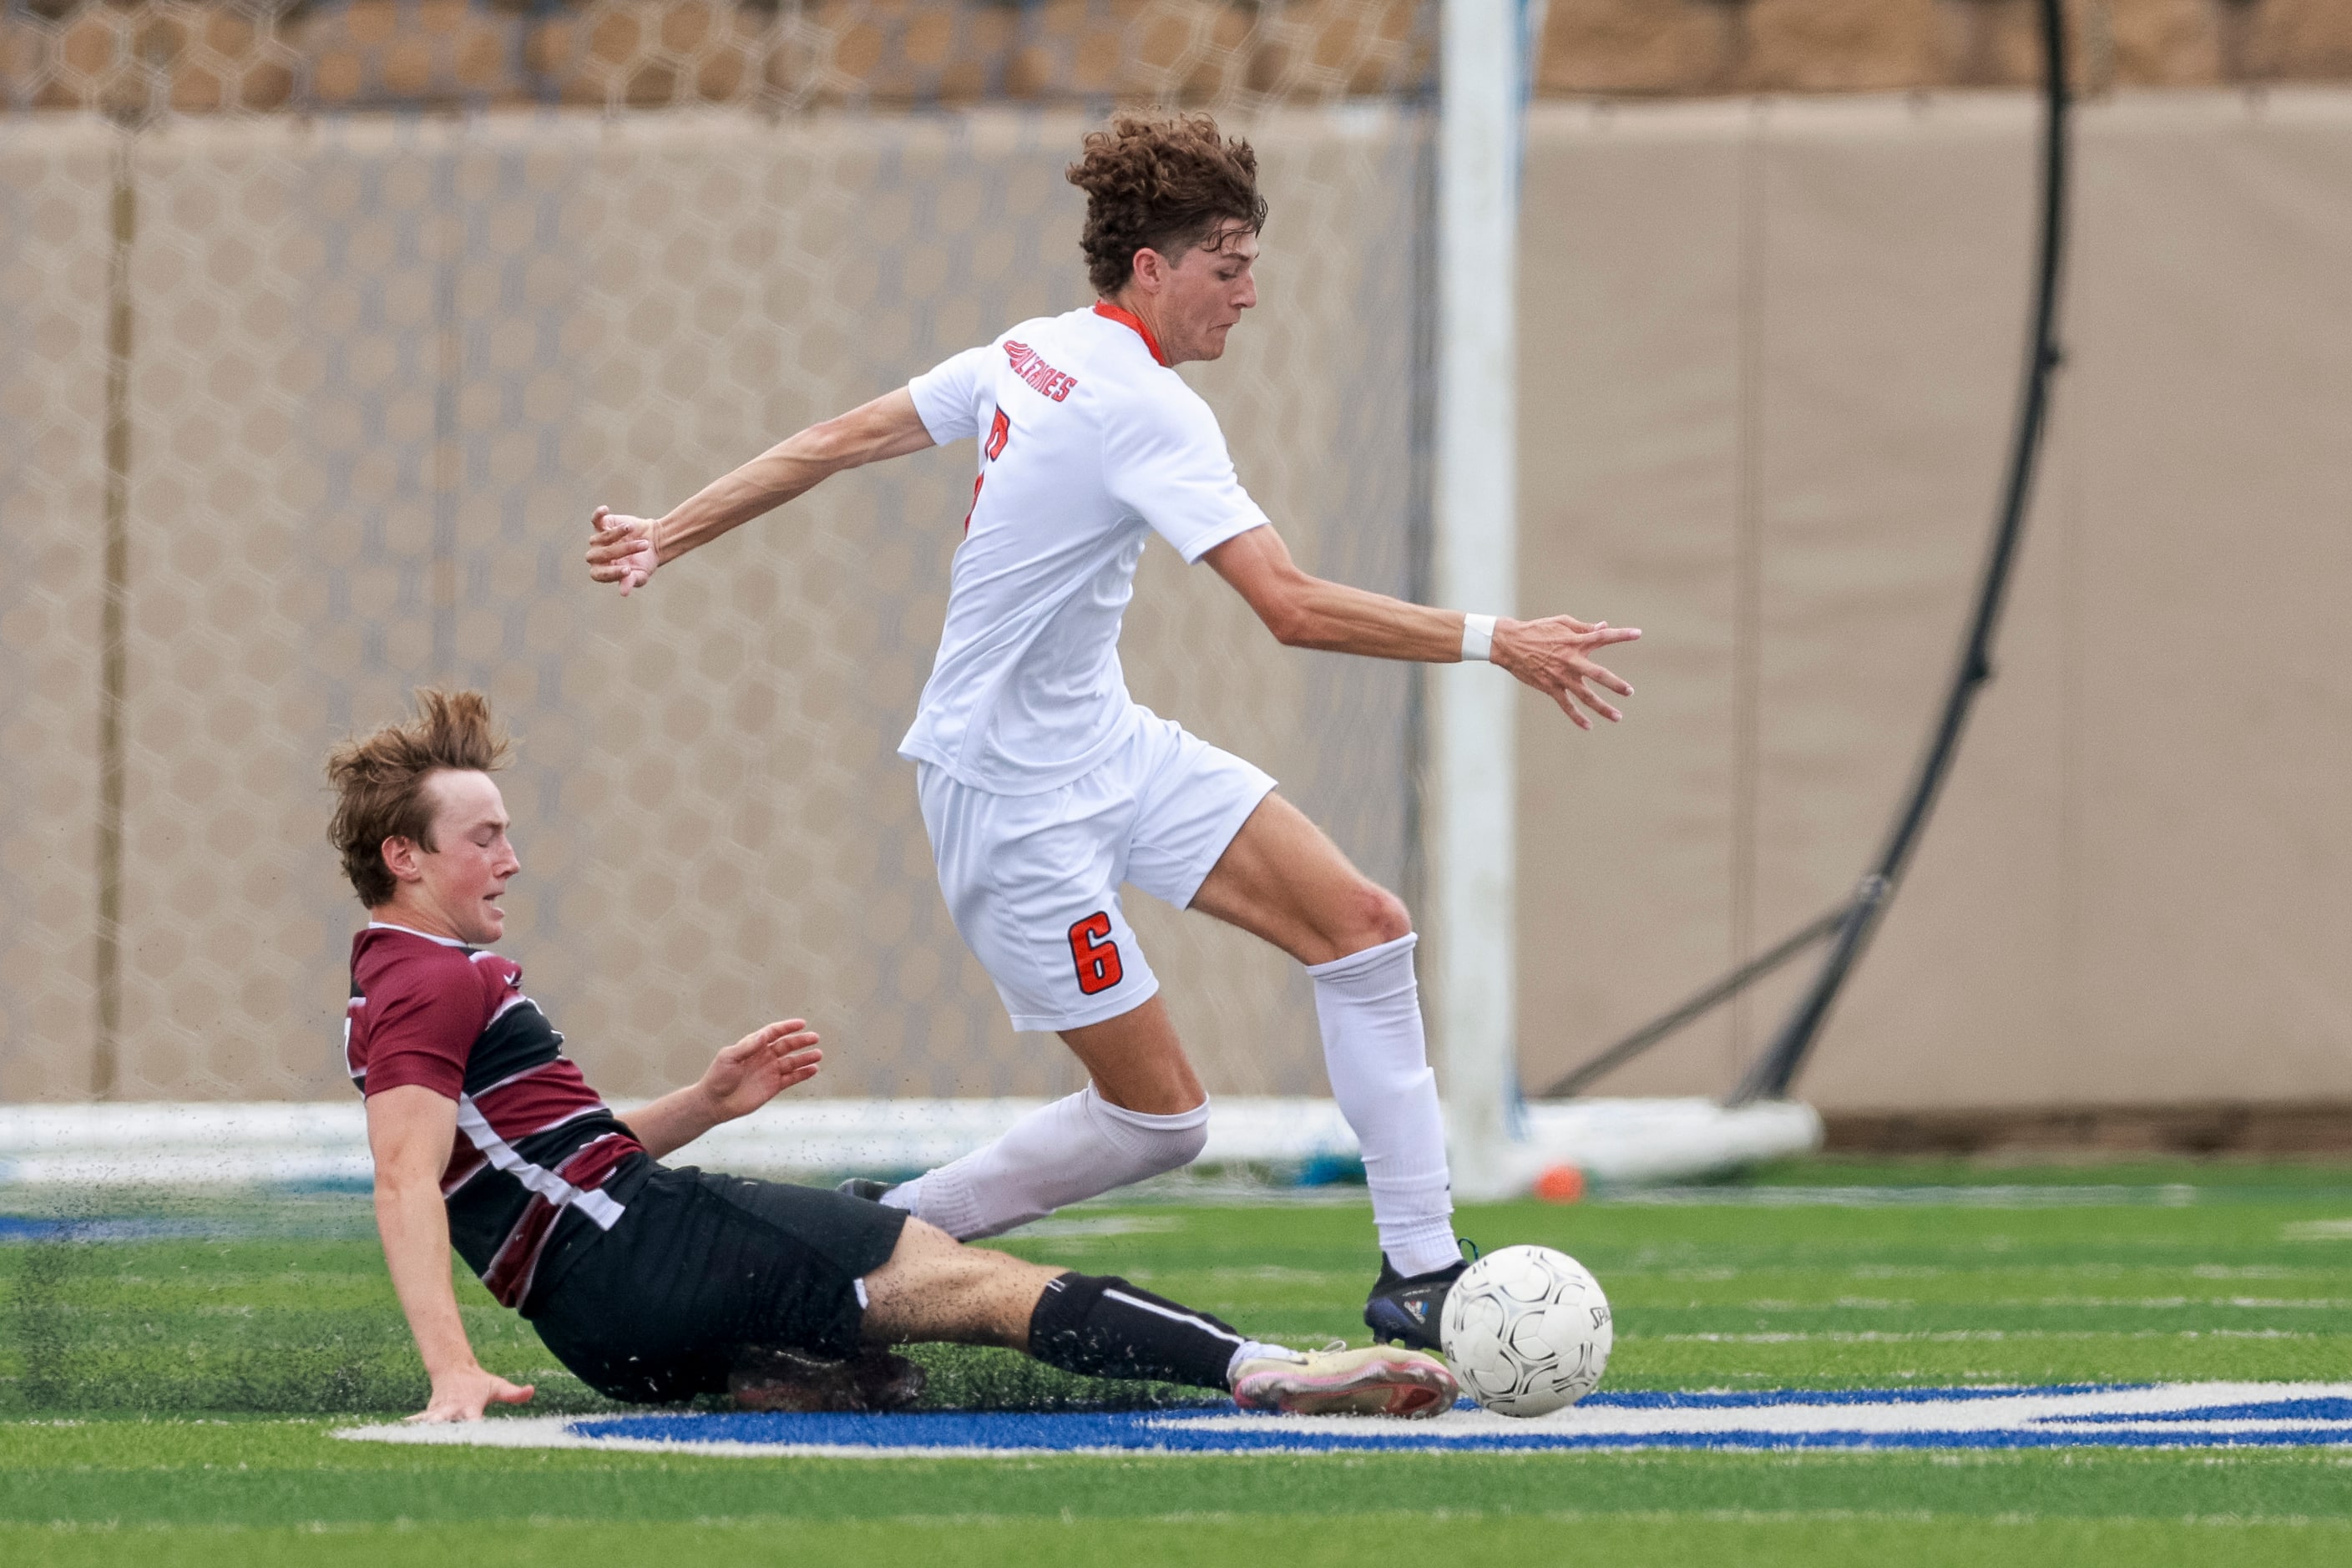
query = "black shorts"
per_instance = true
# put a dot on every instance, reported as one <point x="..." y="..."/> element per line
<point x="703" y="1266"/>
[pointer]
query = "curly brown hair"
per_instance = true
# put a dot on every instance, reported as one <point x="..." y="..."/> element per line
<point x="379" y="779"/>
<point x="1163" y="184"/>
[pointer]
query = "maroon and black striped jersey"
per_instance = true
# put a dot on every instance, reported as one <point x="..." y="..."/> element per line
<point x="536" y="1148"/>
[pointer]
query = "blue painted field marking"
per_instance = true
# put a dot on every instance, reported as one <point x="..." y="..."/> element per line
<point x="2113" y="1416"/>
<point x="1728" y="1399"/>
<point x="2307" y="1410"/>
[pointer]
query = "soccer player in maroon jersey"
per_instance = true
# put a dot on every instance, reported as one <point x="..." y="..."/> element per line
<point x="656" y="1283"/>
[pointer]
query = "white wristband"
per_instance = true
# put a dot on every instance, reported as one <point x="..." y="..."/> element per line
<point x="1478" y="638"/>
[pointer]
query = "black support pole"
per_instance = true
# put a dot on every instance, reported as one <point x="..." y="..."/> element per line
<point x="1850" y="926"/>
<point x="1777" y="1067"/>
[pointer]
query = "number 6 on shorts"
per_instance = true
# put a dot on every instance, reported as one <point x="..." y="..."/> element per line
<point x="1097" y="958"/>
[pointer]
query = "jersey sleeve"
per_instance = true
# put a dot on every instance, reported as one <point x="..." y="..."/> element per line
<point x="1165" y="459"/>
<point x="427" y="1017"/>
<point x="947" y="394"/>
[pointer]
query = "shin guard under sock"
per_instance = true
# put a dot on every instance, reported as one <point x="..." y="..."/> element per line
<point x="1369" y="1007"/>
<point x="1101" y="1326"/>
<point x="1057" y="1154"/>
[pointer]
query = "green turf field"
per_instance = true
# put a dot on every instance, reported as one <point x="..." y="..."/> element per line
<point x="169" y="1376"/>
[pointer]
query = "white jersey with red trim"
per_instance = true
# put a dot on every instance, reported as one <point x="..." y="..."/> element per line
<point x="1088" y="444"/>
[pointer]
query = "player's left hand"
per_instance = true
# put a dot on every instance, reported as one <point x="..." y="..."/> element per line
<point x="760" y="1067"/>
<point x="620" y="550"/>
<point x="1552" y="656"/>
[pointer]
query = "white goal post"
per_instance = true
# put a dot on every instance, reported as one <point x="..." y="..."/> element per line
<point x="1474" y="771"/>
<point x="1499" y="1145"/>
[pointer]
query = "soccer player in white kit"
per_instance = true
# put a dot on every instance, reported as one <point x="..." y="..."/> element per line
<point x="1045" y="786"/>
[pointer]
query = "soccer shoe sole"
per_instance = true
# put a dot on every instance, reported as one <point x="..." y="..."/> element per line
<point x="776" y="1379"/>
<point x="1381" y="1381"/>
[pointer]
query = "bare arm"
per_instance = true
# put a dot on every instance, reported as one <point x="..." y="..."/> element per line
<point x="742" y="1079"/>
<point x="1304" y="610"/>
<point x="410" y="1129"/>
<point x="626" y="549"/>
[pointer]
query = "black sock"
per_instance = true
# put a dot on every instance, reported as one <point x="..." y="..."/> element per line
<point x="1101" y="1326"/>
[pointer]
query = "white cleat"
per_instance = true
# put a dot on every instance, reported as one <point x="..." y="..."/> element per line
<point x="1383" y="1380"/>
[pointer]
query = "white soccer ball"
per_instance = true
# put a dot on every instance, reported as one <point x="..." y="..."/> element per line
<point x="1527" y="1331"/>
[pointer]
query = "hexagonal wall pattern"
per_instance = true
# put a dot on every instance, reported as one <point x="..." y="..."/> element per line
<point x="383" y="369"/>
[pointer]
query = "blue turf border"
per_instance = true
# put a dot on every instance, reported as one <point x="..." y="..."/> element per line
<point x="1676" y="1399"/>
<point x="2314" y="1421"/>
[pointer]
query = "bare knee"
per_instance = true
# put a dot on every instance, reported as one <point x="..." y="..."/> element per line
<point x="1373" y="916"/>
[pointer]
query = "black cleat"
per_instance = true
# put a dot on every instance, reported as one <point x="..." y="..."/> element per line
<point x="1407" y="1311"/>
<point x="864" y="1187"/>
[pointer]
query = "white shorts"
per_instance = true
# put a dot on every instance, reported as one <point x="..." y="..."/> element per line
<point x="1032" y="880"/>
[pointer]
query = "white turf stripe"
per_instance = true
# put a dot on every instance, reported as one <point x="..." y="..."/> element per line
<point x="2027" y="1409"/>
<point x="2202" y="1415"/>
<point x="554" y="1432"/>
<point x="1963" y="1336"/>
<point x="213" y="1144"/>
<point x="1202" y="1324"/>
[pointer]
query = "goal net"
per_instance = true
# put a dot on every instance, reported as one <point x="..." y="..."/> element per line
<point x="329" y="325"/>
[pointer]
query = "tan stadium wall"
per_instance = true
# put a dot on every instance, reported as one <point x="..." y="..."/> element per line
<point x="380" y="372"/>
<point x="1774" y="355"/>
<point x="1771" y="352"/>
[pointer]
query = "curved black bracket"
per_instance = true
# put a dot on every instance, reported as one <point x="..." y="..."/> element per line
<point x="1849" y="928"/>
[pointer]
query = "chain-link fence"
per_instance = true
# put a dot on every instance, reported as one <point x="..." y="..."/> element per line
<point x="327" y="326"/>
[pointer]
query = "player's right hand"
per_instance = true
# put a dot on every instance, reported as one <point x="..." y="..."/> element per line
<point x="463" y="1393"/>
<point x="620" y="550"/>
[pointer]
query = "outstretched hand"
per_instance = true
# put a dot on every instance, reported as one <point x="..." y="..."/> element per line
<point x="1552" y="656"/>
<point x="620" y="550"/>
<point x="463" y="1393"/>
<point x="760" y="1067"/>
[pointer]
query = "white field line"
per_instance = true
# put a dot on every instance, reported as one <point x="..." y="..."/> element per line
<point x="2138" y="1303"/>
<point x="218" y="1145"/>
<point x="556" y="1432"/>
<point x="2042" y="1408"/>
<point x="2187" y="1413"/>
<point x="2169" y="1194"/>
<point x="1957" y="1336"/>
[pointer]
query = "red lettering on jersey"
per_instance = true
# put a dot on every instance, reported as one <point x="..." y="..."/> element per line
<point x="1041" y="377"/>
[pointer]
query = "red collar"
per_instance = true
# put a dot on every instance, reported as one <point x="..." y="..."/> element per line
<point x="1128" y="317"/>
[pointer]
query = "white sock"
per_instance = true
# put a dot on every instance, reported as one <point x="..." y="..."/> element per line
<point x="1369" y="1007"/>
<point x="1258" y="1349"/>
<point x="1075" y="1148"/>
